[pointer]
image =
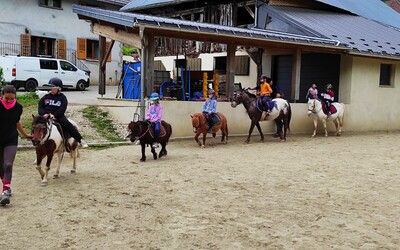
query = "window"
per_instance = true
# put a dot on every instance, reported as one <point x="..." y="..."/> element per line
<point x="90" y="49"/>
<point x="50" y="3"/>
<point x="241" y="65"/>
<point x="67" y="66"/>
<point x="48" y="64"/>
<point x="42" y="46"/>
<point x="386" y="77"/>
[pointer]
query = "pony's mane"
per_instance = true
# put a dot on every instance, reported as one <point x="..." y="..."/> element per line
<point x="249" y="94"/>
<point x="39" y="120"/>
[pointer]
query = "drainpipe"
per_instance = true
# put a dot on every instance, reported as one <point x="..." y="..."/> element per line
<point x="142" y="73"/>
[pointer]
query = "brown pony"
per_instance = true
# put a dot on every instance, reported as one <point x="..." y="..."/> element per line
<point x="200" y="126"/>
<point x="144" y="132"/>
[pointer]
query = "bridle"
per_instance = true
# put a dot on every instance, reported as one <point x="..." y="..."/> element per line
<point x="42" y="126"/>
<point x="144" y="133"/>
<point x="313" y="107"/>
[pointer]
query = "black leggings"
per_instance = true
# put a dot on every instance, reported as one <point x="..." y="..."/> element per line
<point x="69" y="128"/>
<point x="7" y="156"/>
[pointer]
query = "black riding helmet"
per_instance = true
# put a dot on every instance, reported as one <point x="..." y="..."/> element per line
<point x="56" y="82"/>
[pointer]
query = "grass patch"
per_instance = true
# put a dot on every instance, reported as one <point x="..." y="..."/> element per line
<point x="30" y="103"/>
<point x="101" y="121"/>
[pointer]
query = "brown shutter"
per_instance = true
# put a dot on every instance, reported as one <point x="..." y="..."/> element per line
<point x="61" y="49"/>
<point x="25" y="45"/>
<point x="81" y="48"/>
<point x="108" y="46"/>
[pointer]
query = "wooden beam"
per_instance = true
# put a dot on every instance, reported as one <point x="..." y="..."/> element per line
<point x="108" y="52"/>
<point x="295" y="95"/>
<point x="102" y="69"/>
<point x="118" y="35"/>
<point x="230" y="70"/>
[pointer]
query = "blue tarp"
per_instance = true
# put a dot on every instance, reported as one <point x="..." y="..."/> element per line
<point x="131" y="85"/>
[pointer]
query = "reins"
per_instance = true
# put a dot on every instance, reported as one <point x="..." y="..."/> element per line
<point x="313" y="108"/>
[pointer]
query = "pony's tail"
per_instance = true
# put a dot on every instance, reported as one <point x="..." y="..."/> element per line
<point x="289" y="116"/>
<point x="341" y="118"/>
<point x="170" y="128"/>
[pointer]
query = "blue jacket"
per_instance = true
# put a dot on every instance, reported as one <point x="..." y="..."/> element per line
<point x="210" y="106"/>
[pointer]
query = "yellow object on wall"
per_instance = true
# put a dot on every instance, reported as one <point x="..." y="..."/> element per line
<point x="205" y="81"/>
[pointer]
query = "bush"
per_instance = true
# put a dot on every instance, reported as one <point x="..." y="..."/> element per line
<point x="1" y="76"/>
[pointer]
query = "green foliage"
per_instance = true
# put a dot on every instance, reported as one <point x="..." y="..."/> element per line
<point x="1" y="76"/>
<point x="29" y="101"/>
<point x="100" y="121"/>
<point x="128" y="51"/>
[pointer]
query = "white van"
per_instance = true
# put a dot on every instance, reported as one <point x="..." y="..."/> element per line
<point x="35" y="72"/>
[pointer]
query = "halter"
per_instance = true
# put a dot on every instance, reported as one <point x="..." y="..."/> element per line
<point x="145" y="132"/>
<point x="49" y="129"/>
<point x="313" y="108"/>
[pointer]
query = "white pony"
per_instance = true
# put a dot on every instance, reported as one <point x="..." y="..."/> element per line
<point x="315" y="109"/>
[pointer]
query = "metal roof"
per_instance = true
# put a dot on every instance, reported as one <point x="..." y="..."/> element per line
<point x="134" y="20"/>
<point x="372" y="9"/>
<point x="116" y="2"/>
<point x="358" y="33"/>
<point x="145" y="4"/>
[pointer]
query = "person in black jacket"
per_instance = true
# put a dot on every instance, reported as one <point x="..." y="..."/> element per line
<point x="54" y="105"/>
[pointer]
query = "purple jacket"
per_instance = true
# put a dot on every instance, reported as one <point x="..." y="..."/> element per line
<point x="154" y="114"/>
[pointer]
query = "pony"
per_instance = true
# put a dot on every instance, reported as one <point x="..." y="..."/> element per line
<point x="48" y="139"/>
<point x="318" y="111"/>
<point x="144" y="132"/>
<point x="200" y="126"/>
<point x="281" y="112"/>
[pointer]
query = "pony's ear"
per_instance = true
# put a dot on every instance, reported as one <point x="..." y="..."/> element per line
<point x="191" y="116"/>
<point x="33" y="116"/>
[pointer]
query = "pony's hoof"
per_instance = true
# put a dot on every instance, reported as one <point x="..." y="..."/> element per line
<point x="44" y="183"/>
<point x="155" y="157"/>
<point x="55" y="176"/>
<point x="73" y="171"/>
<point x="202" y="146"/>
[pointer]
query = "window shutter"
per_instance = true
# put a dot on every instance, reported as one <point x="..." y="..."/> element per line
<point x="81" y="48"/>
<point x="108" y="46"/>
<point x="61" y="49"/>
<point x="25" y="45"/>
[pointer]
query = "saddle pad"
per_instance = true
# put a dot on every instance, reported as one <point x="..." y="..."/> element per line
<point x="263" y="105"/>
<point x="163" y="132"/>
<point x="333" y="108"/>
<point x="216" y="119"/>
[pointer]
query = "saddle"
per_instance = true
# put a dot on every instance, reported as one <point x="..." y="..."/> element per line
<point x="264" y="105"/>
<point x="65" y="135"/>
<point x="332" y="108"/>
<point x="215" y="119"/>
<point x="163" y="132"/>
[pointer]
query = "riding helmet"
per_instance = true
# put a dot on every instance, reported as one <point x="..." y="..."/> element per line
<point x="154" y="96"/>
<point x="210" y="91"/>
<point x="329" y="86"/>
<point x="56" y="82"/>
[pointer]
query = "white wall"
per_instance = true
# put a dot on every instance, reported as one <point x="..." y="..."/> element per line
<point x="18" y="15"/>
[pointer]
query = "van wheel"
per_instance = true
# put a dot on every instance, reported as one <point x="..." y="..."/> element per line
<point x="30" y="85"/>
<point x="81" y="85"/>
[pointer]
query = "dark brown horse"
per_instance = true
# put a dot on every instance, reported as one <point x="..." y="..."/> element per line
<point x="281" y="112"/>
<point x="200" y="126"/>
<point x="144" y="132"/>
<point x="49" y="140"/>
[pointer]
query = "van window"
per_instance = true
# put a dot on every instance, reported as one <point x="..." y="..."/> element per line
<point x="67" y="66"/>
<point x="48" y="64"/>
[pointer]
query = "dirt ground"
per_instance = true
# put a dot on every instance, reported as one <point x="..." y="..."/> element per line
<point x="321" y="193"/>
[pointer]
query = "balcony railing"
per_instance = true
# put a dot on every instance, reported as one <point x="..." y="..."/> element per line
<point x="14" y="49"/>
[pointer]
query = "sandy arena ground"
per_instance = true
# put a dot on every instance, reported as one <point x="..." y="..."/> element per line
<point x="321" y="193"/>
